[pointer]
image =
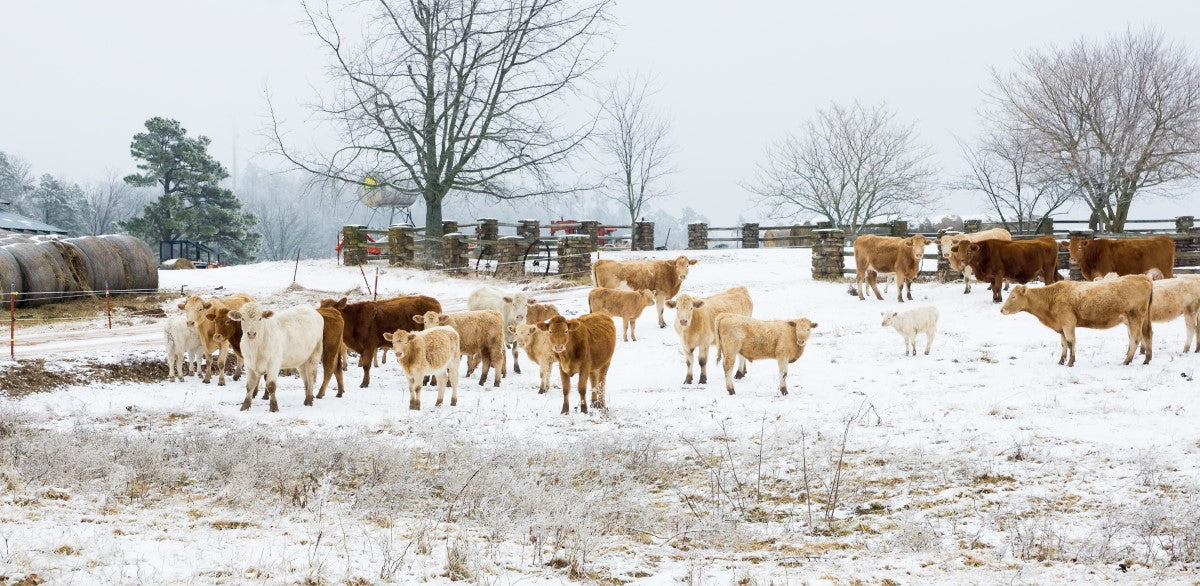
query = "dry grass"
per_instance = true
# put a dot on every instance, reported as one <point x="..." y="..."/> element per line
<point x="93" y="308"/>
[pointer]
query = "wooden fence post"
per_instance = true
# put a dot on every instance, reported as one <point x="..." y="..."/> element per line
<point x="828" y="254"/>
<point x="643" y="236"/>
<point x="750" y="235"/>
<point x="697" y="236"/>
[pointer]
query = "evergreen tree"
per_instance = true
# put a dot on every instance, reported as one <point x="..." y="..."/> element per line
<point x="193" y="205"/>
<point x="58" y="203"/>
<point x="14" y="179"/>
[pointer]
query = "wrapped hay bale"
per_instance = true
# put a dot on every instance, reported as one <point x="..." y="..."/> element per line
<point x="139" y="267"/>
<point x="43" y="272"/>
<point x="10" y="275"/>
<point x="106" y="266"/>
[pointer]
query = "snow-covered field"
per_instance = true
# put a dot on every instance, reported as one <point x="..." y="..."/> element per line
<point x="983" y="462"/>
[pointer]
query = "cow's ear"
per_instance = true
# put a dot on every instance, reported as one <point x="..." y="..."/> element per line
<point x="267" y="313"/>
<point x="211" y="316"/>
<point x="973" y="247"/>
<point x="792" y="322"/>
<point x="671" y="303"/>
<point x="812" y="325"/>
<point x="235" y="315"/>
<point x="182" y="305"/>
<point x="411" y="337"/>
<point x="693" y="261"/>
<point x="544" y="326"/>
<point x="388" y="336"/>
<point x="698" y="303"/>
<point x="512" y="329"/>
<point x="909" y="243"/>
<point x="341" y="303"/>
<point x="207" y="305"/>
<point x="507" y="299"/>
<point x="533" y="301"/>
<point x="443" y="319"/>
<point x="1084" y="243"/>
<point x="572" y="325"/>
<point x="419" y="319"/>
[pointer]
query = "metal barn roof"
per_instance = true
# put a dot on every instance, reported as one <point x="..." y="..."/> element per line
<point x="14" y="222"/>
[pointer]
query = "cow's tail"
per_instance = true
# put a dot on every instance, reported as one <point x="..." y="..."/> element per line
<point x="1147" y="323"/>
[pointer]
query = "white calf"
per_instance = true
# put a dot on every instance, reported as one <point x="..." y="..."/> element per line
<point x="183" y="347"/>
<point x="913" y="322"/>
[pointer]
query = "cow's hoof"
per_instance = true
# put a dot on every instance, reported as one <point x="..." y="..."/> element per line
<point x="308" y="402"/>
<point x="517" y="369"/>
<point x="220" y="383"/>
<point x="738" y="375"/>
<point x="687" y="381"/>
<point x="453" y="402"/>
<point x="782" y="391"/>
<point x="362" y="386"/>
<point x="437" y="404"/>
<point x="565" y="411"/>
<point x="662" y="325"/>
<point x="541" y="391"/>
<point x="339" y="395"/>
<point x="730" y="391"/>
<point x="703" y="380"/>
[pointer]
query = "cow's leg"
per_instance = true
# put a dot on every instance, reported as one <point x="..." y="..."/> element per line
<point x="900" y="281"/>
<point x="929" y="340"/>
<point x="441" y="386"/>
<point x="516" y="363"/>
<point x="597" y="392"/>
<point x="544" y="374"/>
<point x="702" y="357"/>
<point x="474" y="360"/>
<point x="727" y="362"/>
<point x="208" y="364"/>
<point x="1147" y="336"/>
<point x="308" y="372"/>
<point x="632" y="329"/>
<point x="1195" y="321"/>
<point x="327" y="367"/>
<point x="624" y="329"/>
<point x="272" y="382"/>
<point x="415" y="384"/>
<point x="660" y="301"/>
<point x="339" y="366"/>
<point x="485" y="361"/>
<point x="783" y="368"/>
<point x="584" y="376"/>
<point x="966" y="280"/>
<point x="996" y="284"/>
<point x="1069" y="335"/>
<point x="364" y="360"/>
<point x="872" y="280"/>
<point x="251" y="387"/>
<point x="566" y="387"/>
<point x="452" y="375"/>
<point x="908" y="281"/>
<point x="687" y="359"/>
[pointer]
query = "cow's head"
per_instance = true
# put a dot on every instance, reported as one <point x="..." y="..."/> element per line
<point x="223" y="327"/>
<point x="946" y="243"/>
<point x="402" y="342"/>
<point x="560" y="330"/>
<point x="684" y="306"/>
<point x="253" y="318"/>
<point x="917" y="243"/>
<point x="681" y="266"/>
<point x="1017" y="301"/>
<point x="519" y="304"/>
<point x="432" y="319"/>
<point x="338" y="304"/>
<point x="1075" y="247"/>
<point x="888" y="316"/>
<point x="194" y="308"/>
<point x="647" y="297"/>
<point x="522" y="334"/>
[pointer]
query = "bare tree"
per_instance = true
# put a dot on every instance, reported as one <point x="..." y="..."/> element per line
<point x="634" y="146"/>
<point x="441" y="97"/>
<point x="1118" y="117"/>
<point x="852" y="165"/>
<point x="109" y="201"/>
<point x="1004" y="172"/>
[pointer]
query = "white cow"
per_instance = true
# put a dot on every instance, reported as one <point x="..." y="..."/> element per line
<point x="271" y="341"/>
<point x="514" y="306"/>
<point x="183" y="347"/>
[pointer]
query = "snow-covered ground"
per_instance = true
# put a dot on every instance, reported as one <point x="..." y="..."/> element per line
<point x="983" y="462"/>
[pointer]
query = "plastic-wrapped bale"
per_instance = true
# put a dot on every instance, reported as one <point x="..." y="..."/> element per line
<point x="105" y="262"/>
<point x="10" y="275"/>
<point x="45" y="274"/>
<point x="139" y="266"/>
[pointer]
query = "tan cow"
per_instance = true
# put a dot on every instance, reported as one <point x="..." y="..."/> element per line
<point x="480" y="338"/>
<point x="627" y="305"/>
<point x="432" y="352"/>
<point x="583" y="347"/>
<point x="197" y="310"/>
<point x="1175" y="297"/>
<point x="663" y="277"/>
<point x="696" y="323"/>
<point x="540" y="312"/>
<point x="537" y="347"/>
<point x="1067" y="305"/>
<point x="752" y="339"/>
<point x="887" y="255"/>
<point x="946" y="244"/>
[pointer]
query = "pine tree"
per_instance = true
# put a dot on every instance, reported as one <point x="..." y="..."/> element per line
<point x="193" y="205"/>
<point x="58" y="203"/>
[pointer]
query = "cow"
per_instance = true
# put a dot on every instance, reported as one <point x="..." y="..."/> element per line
<point x="627" y="305"/>
<point x="537" y="347"/>
<point x="946" y="245"/>
<point x="1066" y="305"/>
<point x="1020" y="261"/>
<point x="514" y="306"/>
<point x="1123" y="256"/>
<point x="663" y="277"/>
<point x="367" y="321"/>
<point x="332" y="349"/>
<point x="227" y="331"/>
<point x="290" y="338"/>
<point x="539" y="312"/>
<point x="696" y="323"/>
<point x="480" y="337"/>
<point x="583" y="347"/>
<point x="197" y="310"/>
<point x="752" y="339"/>
<point x="430" y="352"/>
<point x="1175" y="297"/>
<point x="181" y="342"/>
<point x="887" y="255"/>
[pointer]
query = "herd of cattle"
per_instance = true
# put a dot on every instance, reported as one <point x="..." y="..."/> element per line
<point x="1130" y="282"/>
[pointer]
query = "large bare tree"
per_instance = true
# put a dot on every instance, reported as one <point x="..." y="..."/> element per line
<point x="441" y="97"/>
<point x="1118" y="117"/>
<point x="1005" y="173"/>
<point x="110" y="200"/>
<point x="634" y="146"/>
<point x="851" y="165"/>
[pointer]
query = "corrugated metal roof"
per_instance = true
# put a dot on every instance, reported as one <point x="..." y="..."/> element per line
<point x="18" y="223"/>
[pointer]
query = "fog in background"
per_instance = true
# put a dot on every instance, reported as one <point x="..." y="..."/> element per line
<point x="80" y="78"/>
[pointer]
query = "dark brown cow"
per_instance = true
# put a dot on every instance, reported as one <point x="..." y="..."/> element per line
<point x="1020" y="261"/>
<point x="1125" y="256"/>
<point x="585" y="347"/>
<point x="331" y="349"/>
<point x="367" y="321"/>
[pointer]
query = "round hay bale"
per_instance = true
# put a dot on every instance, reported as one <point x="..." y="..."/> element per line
<point x="181" y="264"/>
<point x="10" y="275"/>
<point x="43" y="273"/>
<point x="79" y="264"/>
<point x="140" y="269"/>
<point x="105" y="259"/>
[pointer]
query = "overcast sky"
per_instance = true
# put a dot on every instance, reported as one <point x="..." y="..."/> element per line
<point x="78" y="79"/>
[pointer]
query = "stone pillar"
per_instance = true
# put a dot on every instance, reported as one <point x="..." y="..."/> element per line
<point x="489" y="229"/>
<point x="454" y="252"/>
<point x="828" y="254"/>
<point x="575" y="256"/>
<point x="1184" y="223"/>
<point x="697" y="236"/>
<point x="972" y="226"/>
<point x="643" y="236"/>
<point x="1046" y="226"/>
<point x="945" y="274"/>
<point x="591" y="229"/>
<point x="449" y="227"/>
<point x="750" y="235"/>
<point x="354" y="245"/>
<point x="402" y="245"/>
<point x="825" y="225"/>
<point x="1072" y="266"/>
<point x="899" y="228"/>
<point x="510" y="262"/>
<point x="530" y="230"/>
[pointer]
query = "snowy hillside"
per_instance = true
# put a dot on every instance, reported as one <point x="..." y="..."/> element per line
<point x="985" y="461"/>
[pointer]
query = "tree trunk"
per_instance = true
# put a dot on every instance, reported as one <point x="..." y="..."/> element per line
<point x="433" y="226"/>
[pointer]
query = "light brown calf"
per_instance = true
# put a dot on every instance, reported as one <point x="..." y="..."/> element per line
<point x="1067" y="305"/>
<point x="627" y="305"/>
<point x="197" y="310"/>
<point x="752" y="339"/>
<point x="537" y="347"/>
<point x="540" y="312"/>
<point x="432" y="352"/>
<point x="696" y="323"/>
<point x="480" y="337"/>
<point x="885" y="255"/>
<point x="663" y="277"/>
<point x="1179" y="296"/>
<point x="583" y="347"/>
